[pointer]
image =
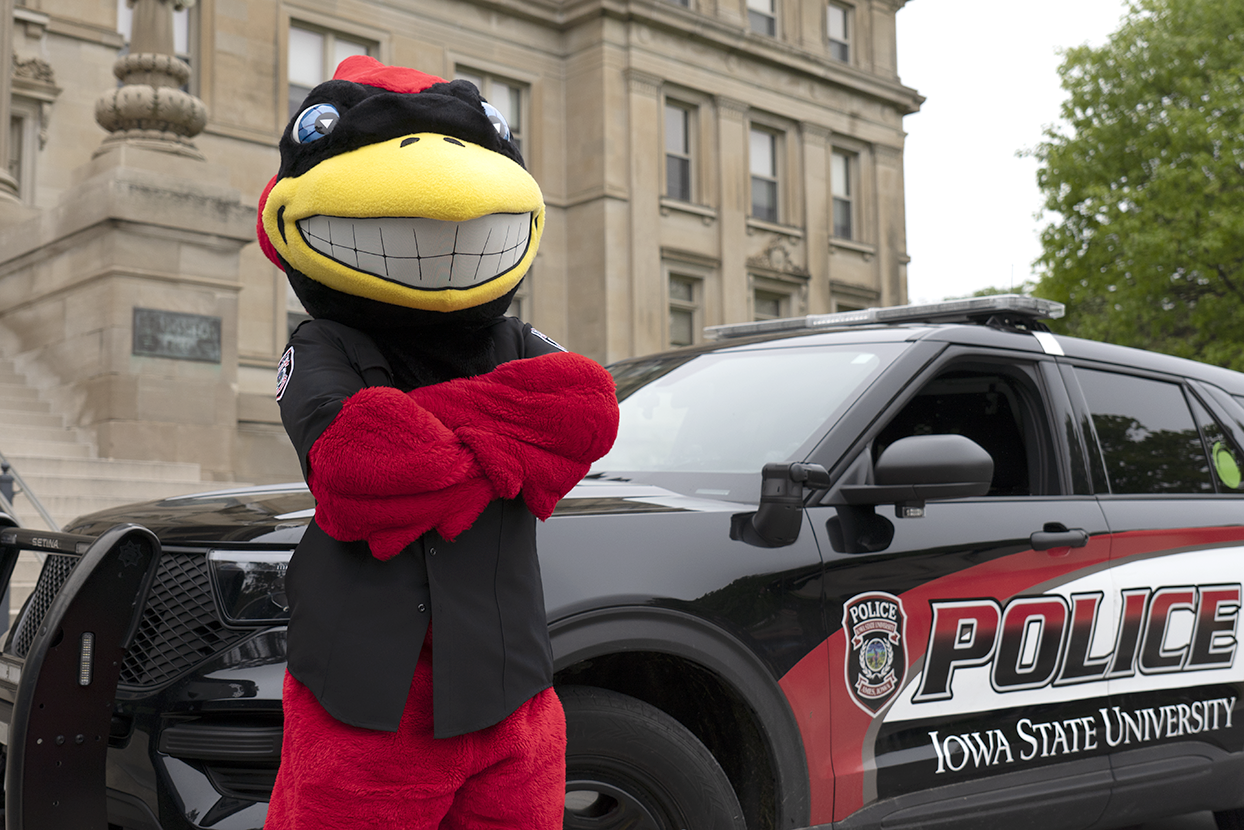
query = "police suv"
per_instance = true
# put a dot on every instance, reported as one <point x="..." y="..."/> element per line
<point x="917" y="567"/>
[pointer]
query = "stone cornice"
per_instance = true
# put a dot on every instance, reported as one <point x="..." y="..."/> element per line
<point x="715" y="33"/>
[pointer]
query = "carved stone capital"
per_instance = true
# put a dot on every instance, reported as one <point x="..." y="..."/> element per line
<point x="731" y="108"/>
<point x="644" y="83"/>
<point x="815" y="133"/>
<point x="890" y="155"/>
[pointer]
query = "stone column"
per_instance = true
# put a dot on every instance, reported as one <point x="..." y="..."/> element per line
<point x="735" y="204"/>
<point x="816" y="228"/>
<point x="891" y="226"/>
<point x="8" y="185"/>
<point x="149" y="109"/>
<point x="648" y="294"/>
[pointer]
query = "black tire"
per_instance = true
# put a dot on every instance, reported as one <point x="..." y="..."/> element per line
<point x="629" y="765"/>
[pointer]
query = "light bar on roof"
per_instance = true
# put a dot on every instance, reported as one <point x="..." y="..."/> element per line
<point x="949" y="311"/>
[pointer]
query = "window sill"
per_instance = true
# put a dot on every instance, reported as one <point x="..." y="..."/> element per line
<point x="869" y="251"/>
<point x="790" y="231"/>
<point x="669" y="206"/>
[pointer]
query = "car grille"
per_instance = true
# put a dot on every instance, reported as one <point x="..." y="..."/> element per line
<point x="56" y="569"/>
<point x="179" y="627"/>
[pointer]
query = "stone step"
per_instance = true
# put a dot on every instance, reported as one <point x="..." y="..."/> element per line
<point x="32" y="467"/>
<point x="10" y="418"/>
<point x="23" y="447"/>
<point x="16" y="390"/>
<point x="16" y="433"/>
<point x="12" y="407"/>
<point x="66" y="508"/>
<point x="119" y="490"/>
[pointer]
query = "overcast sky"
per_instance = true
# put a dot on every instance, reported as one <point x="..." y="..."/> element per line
<point x="989" y="72"/>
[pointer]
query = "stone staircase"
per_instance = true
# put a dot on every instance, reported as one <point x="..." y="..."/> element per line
<point x="61" y="468"/>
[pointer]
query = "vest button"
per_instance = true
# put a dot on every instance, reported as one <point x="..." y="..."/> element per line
<point x="422" y="608"/>
<point x="432" y="551"/>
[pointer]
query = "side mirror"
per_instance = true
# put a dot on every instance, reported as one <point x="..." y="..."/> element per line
<point x="779" y="516"/>
<point x="919" y="468"/>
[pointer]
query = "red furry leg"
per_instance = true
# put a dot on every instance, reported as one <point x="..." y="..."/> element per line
<point x="521" y="782"/>
<point x="339" y="777"/>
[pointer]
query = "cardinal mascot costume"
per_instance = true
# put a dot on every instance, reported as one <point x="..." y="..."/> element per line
<point x="433" y="431"/>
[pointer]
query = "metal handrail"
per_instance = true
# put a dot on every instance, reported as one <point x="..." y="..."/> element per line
<point x="7" y="469"/>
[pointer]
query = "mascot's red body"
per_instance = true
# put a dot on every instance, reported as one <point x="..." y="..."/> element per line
<point x="433" y="432"/>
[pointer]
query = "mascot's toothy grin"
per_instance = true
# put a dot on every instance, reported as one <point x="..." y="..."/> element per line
<point x="429" y="254"/>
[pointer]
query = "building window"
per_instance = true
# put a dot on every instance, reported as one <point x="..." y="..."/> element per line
<point x="764" y="168"/>
<point x="686" y="4"/>
<point x="762" y="17"/>
<point x="17" y="147"/>
<point x="24" y="143"/>
<point x="684" y="309"/>
<point x="768" y="305"/>
<point x="842" y="172"/>
<point x="313" y="58"/>
<point x="505" y="95"/>
<point x="678" y="123"/>
<point x="838" y="23"/>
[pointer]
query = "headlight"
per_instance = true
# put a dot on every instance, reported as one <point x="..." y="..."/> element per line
<point x="250" y="585"/>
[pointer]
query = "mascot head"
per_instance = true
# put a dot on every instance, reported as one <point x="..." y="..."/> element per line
<point x="400" y="198"/>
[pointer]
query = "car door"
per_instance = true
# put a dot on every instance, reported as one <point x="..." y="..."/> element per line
<point x="956" y="648"/>
<point x="1172" y="498"/>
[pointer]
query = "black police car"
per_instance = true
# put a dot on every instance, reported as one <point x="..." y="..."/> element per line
<point x="920" y="567"/>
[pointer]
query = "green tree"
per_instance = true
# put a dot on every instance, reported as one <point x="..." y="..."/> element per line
<point x="1147" y="180"/>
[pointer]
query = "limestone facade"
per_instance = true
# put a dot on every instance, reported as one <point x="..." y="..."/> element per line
<point x="707" y="162"/>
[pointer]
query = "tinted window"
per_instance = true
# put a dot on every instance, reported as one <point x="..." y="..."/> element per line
<point x="1149" y="440"/>
<point x="1224" y="455"/>
<point x="987" y="408"/>
<point x="731" y="412"/>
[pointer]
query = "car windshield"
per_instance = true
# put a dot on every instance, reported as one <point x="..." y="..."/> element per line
<point x="732" y="411"/>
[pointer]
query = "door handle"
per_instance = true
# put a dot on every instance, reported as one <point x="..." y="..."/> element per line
<point x="1056" y="535"/>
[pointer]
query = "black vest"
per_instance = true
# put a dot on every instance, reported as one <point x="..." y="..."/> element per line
<point x="357" y="624"/>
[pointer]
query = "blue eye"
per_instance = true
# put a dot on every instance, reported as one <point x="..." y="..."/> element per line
<point x="314" y="123"/>
<point x="497" y="119"/>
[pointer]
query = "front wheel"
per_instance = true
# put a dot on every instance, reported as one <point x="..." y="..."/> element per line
<point x="630" y="766"/>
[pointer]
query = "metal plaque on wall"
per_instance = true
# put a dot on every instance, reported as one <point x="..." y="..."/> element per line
<point x="176" y="335"/>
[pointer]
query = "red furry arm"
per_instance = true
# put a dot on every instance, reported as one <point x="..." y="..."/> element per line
<point x="386" y="470"/>
<point x="535" y="425"/>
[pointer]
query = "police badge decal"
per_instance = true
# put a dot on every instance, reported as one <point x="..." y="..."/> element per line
<point x="876" y="654"/>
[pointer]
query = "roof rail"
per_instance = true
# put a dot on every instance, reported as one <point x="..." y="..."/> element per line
<point x="971" y="310"/>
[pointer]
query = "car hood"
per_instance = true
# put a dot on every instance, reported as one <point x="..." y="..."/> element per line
<point x="277" y="515"/>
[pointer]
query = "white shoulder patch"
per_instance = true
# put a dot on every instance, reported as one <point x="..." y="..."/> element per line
<point x="284" y="371"/>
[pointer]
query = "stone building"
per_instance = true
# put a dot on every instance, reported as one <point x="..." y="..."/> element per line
<point x="703" y="162"/>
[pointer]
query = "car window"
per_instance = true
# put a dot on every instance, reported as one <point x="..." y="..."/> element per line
<point x="988" y="407"/>
<point x="1148" y="438"/>
<point x="734" y="411"/>
<point x="1224" y="455"/>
